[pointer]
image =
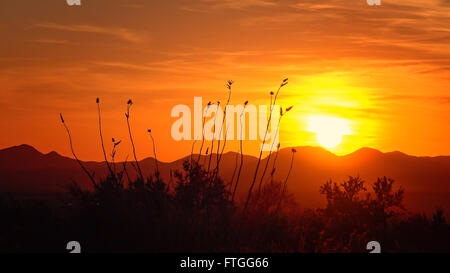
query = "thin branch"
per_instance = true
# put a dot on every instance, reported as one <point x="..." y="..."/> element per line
<point x="203" y="132"/>
<point x="126" y="171"/>
<point x="154" y="153"/>
<point x="101" y="139"/>
<point x="285" y="181"/>
<point x="242" y="153"/>
<point x="91" y="177"/>
<point x="274" y="163"/>
<point x="270" y="154"/>
<point x="214" y="134"/>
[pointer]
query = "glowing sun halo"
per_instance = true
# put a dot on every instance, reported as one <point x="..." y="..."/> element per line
<point x="329" y="130"/>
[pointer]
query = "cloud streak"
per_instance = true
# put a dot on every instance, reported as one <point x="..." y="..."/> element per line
<point x="212" y="5"/>
<point x="118" y="33"/>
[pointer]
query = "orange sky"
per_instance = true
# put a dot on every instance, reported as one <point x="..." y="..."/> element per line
<point x="384" y="70"/>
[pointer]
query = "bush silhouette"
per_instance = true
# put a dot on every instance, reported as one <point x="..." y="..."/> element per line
<point x="357" y="217"/>
<point x="195" y="215"/>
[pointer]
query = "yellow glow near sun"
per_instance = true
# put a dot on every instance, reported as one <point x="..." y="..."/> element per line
<point x="329" y="129"/>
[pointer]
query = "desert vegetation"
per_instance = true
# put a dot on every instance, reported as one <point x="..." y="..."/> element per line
<point x="197" y="211"/>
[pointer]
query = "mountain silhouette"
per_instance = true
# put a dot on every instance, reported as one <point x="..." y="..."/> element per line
<point x="426" y="180"/>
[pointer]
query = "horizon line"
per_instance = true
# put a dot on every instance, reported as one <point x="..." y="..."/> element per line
<point x="196" y="154"/>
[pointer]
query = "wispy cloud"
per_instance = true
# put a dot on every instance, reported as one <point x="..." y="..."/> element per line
<point x="205" y="5"/>
<point x="46" y="41"/>
<point x="119" y="33"/>
<point x="440" y="99"/>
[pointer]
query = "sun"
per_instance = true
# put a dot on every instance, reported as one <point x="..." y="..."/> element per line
<point x="329" y="139"/>
<point x="329" y="130"/>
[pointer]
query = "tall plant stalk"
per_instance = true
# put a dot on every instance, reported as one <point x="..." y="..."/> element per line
<point x="221" y="153"/>
<point x="285" y="81"/>
<point x="91" y="176"/>
<point x="126" y="171"/>
<point x="241" y="152"/>
<point x="234" y="171"/>
<point x="113" y="154"/>
<point x="127" y="115"/>
<point x="271" y="147"/>
<point x="203" y="138"/>
<point x="270" y="152"/>
<point x="203" y="132"/>
<point x="274" y="163"/>
<point x="214" y="134"/>
<point x="229" y="84"/>
<point x="285" y="181"/>
<point x="154" y="153"/>
<point x="113" y="176"/>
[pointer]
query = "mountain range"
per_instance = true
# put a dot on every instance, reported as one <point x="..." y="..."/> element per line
<point x="426" y="180"/>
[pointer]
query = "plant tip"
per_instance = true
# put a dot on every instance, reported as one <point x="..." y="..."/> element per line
<point x="229" y="84"/>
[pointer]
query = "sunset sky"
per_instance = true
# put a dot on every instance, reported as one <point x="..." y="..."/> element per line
<point x="383" y="72"/>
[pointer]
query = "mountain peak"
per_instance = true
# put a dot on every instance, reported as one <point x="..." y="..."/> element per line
<point x="53" y="154"/>
<point x="308" y="149"/>
<point x="396" y="153"/>
<point x="365" y="153"/>
<point x="23" y="148"/>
